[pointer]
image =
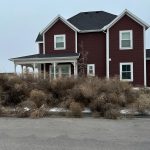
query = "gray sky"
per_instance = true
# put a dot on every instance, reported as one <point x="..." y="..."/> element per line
<point x="21" y="21"/>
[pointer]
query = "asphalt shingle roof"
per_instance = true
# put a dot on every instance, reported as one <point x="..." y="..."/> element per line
<point x="39" y="38"/>
<point x="148" y="53"/>
<point x="91" y="20"/>
<point x="47" y="56"/>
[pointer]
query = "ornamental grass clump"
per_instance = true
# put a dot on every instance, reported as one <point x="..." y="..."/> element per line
<point x="143" y="103"/>
<point x="75" y="110"/>
<point x="38" y="97"/>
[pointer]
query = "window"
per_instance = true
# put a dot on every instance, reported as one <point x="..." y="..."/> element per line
<point x="126" y="71"/>
<point x="59" y="42"/>
<point x="91" y="69"/>
<point x="61" y="71"/>
<point x="126" y="39"/>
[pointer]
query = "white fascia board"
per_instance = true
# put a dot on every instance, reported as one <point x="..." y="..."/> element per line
<point x="131" y="15"/>
<point x="55" y="20"/>
<point x="88" y="31"/>
<point x="40" y="42"/>
<point x="21" y="62"/>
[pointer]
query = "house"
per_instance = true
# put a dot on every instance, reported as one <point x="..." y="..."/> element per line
<point x="107" y="44"/>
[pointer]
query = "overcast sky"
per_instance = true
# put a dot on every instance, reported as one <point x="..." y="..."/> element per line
<point x="21" y="21"/>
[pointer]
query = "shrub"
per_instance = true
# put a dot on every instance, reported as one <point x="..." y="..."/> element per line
<point x="66" y="103"/>
<point x="112" y="114"/>
<point x="98" y="104"/>
<point x="38" y="97"/>
<point x="39" y="113"/>
<point x="22" y="112"/>
<point x="29" y="104"/>
<point x="15" y="95"/>
<point x="143" y="103"/>
<point x="76" y="110"/>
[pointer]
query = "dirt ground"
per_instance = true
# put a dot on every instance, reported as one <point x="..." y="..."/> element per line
<point x="74" y="134"/>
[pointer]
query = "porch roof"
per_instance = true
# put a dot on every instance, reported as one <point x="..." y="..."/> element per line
<point x="46" y="58"/>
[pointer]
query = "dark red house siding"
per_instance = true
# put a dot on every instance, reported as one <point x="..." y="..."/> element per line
<point x="135" y="55"/>
<point x="41" y="48"/>
<point x="59" y="28"/>
<point x="95" y="45"/>
<point x="148" y="72"/>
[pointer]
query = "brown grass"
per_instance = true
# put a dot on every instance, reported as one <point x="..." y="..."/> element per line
<point x="38" y="97"/>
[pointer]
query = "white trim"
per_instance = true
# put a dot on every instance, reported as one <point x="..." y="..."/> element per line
<point x="47" y="58"/>
<point x="64" y="40"/>
<point x="44" y="43"/>
<point x="144" y="40"/>
<point x="59" y="17"/>
<point x="107" y="54"/>
<point x="76" y="42"/>
<point x="88" y="69"/>
<point x="131" y="15"/>
<point x="120" y="39"/>
<point x="39" y="42"/>
<point x="89" y="31"/>
<point x="126" y="63"/>
<point x="45" y="61"/>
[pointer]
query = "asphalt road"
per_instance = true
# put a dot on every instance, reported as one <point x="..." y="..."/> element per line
<point x="74" y="134"/>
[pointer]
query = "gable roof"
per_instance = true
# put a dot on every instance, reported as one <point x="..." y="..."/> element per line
<point x="94" y="20"/>
<point x="59" y="17"/>
<point x="131" y="15"/>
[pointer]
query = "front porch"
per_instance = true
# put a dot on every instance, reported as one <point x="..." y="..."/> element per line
<point x="48" y="65"/>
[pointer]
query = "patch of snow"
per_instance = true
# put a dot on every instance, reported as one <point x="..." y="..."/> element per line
<point x="86" y="110"/>
<point x="125" y="111"/>
<point x="57" y="109"/>
<point x="26" y="109"/>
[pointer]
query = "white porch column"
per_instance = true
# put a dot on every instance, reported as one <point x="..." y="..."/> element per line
<point x="34" y="70"/>
<point x="75" y="69"/>
<point x="22" y="70"/>
<point x="44" y="71"/>
<point x="39" y="70"/>
<point x="54" y="70"/>
<point x="15" y="68"/>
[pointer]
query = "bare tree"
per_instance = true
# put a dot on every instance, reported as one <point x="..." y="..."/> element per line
<point x="82" y="63"/>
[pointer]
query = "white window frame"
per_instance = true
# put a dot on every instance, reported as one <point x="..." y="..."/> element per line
<point x="60" y="48"/>
<point x="131" y="66"/>
<point x="131" y="39"/>
<point x="88" y="69"/>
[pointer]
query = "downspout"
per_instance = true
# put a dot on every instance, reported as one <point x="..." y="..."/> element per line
<point x="107" y="53"/>
<point x="145" y="76"/>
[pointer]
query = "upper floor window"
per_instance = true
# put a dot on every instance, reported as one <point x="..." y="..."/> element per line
<point x="91" y="69"/>
<point x="60" y="42"/>
<point x="126" y="71"/>
<point x="126" y="39"/>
